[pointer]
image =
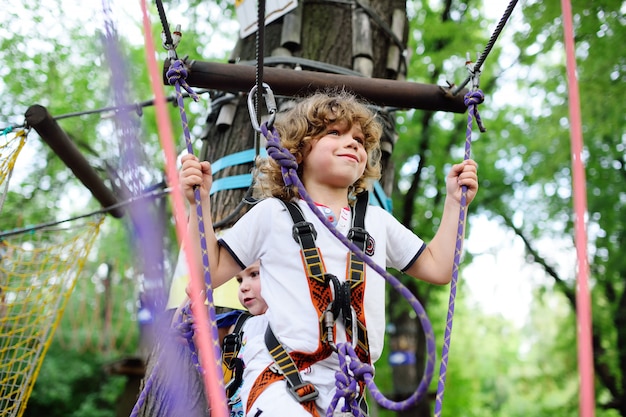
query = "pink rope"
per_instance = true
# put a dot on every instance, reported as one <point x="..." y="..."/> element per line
<point x="583" y="298"/>
<point x="212" y="381"/>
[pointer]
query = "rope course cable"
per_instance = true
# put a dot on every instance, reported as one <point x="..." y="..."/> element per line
<point x="260" y="52"/>
<point x="29" y="229"/>
<point x="494" y="36"/>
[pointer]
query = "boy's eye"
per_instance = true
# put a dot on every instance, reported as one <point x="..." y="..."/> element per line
<point x="333" y="132"/>
<point x="360" y="140"/>
<point x="239" y="279"/>
<point x="254" y="274"/>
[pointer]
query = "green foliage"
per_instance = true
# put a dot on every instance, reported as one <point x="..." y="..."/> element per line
<point x="76" y="385"/>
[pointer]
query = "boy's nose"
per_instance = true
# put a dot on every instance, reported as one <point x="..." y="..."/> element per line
<point x="352" y="142"/>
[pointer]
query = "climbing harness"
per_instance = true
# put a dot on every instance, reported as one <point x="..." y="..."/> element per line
<point x="347" y="303"/>
<point x="232" y="366"/>
<point x="357" y="369"/>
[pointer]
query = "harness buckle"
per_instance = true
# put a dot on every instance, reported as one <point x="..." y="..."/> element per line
<point x="358" y="234"/>
<point x="309" y="392"/>
<point x="301" y="229"/>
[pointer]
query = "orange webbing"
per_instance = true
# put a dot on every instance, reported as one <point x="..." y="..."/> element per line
<point x="302" y="361"/>
<point x="356" y="275"/>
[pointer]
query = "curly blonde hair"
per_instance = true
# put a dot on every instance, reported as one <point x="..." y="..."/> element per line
<point x="308" y="121"/>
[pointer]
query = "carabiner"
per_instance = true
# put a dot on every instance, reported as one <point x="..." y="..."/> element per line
<point x="270" y="103"/>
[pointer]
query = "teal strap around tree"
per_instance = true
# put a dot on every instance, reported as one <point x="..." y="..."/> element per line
<point x="237" y="158"/>
<point x="231" y="183"/>
<point x="379" y="198"/>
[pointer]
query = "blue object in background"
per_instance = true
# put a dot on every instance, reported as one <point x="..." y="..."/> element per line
<point x="401" y="357"/>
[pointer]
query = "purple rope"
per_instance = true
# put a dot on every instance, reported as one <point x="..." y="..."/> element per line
<point x="185" y="328"/>
<point x="472" y="100"/>
<point x="288" y="166"/>
<point x="143" y="395"/>
<point x="176" y="75"/>
<point x="351" y="370"/>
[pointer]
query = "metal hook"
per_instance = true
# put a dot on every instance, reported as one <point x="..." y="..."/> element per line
<point x="270" y="103"/>
<point x="474" y="72"/>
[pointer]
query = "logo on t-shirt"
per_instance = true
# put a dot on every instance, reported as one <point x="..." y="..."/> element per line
<point x="370" y="246"/>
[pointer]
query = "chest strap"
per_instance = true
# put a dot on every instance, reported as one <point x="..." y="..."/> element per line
<point x="232" y="365"/>
<point x="355" y="278"/>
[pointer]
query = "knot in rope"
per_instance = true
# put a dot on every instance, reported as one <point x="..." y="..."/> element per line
<point x="472" y="100"/>
<point x="352" y="370"/>
<point x="177" y="75"/>
<point x="346" y="386"/>
<point x="284" y="158"/>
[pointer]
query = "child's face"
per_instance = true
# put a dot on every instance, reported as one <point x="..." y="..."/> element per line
<point x="337" y="159"/>
<point x="250" y="289"/>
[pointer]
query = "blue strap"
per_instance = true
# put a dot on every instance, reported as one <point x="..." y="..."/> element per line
<point x="231" y="183"/>
<point x="236" y="158"/>
<point x="379" y="198"/>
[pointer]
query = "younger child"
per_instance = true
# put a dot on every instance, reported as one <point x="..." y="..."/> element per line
<point x="335" y="141"/>
<point x="252" y="328"/>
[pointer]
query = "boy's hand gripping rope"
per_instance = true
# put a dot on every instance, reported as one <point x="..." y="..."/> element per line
<point x="472" y="100"/>
<point x="176" y="75"/>
<point x="356" y="370"/>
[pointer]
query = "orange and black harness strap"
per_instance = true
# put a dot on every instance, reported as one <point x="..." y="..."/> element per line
<point x="348" y="298"/>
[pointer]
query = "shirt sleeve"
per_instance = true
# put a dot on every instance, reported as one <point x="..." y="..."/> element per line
<point x="245" y="241"/>
<point x="402" y="245"/>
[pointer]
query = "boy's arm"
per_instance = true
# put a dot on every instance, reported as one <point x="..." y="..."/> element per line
<point x="435" y="264"/>
<point x="223" y="266"/>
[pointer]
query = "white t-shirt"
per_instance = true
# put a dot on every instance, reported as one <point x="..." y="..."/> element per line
<point x="265" y="233"/>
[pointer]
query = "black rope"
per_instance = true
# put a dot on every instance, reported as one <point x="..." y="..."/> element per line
<point x="152" y="194"/>
<point x="127" y="107"/>
<point x="260" y="47"/>
<point x="492" y="41"/>
<point x="166" y="28"/>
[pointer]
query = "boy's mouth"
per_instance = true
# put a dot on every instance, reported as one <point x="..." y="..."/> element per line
<point x="350" y="156"/>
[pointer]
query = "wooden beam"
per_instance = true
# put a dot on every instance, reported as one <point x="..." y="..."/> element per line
<point x="40" y="119"/>
<point x="288" y="82"/>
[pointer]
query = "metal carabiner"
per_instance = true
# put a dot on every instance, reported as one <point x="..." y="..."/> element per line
<point x="270" y="103"/>
<point x="474" y="73"/>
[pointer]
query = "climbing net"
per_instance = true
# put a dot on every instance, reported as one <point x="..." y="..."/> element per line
<point x="10" y="146"/>
<point x="38" y="271"/>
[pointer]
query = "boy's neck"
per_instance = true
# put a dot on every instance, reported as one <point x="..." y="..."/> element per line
<point x="334" y="198"/>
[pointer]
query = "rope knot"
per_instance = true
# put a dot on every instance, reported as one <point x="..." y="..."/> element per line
<point x="360" y="369"/>
<point x="472" y="100"/>
<point x="284" y="158"/>
<point x="177" y="75"/>
<point x="474" y="97"/>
